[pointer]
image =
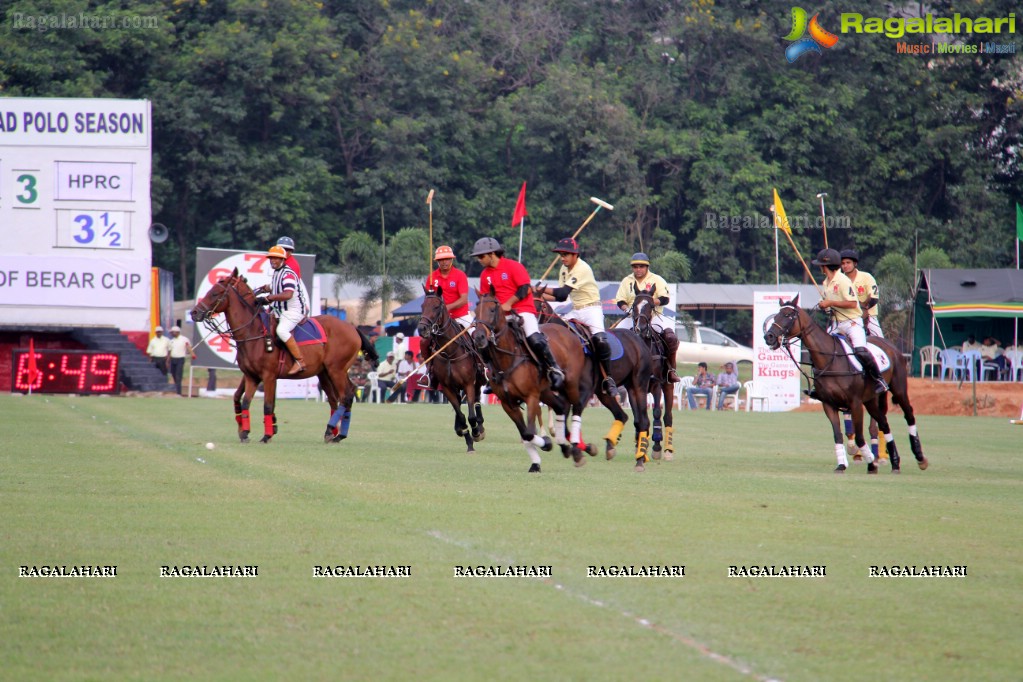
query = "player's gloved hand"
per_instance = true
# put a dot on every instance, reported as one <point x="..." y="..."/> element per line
<point x="262" y="299"/>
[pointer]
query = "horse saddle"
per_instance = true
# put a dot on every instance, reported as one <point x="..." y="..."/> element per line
<point x="584" y="335"/>
<point x="880" y="357"/>
<point x="309" y="331"/>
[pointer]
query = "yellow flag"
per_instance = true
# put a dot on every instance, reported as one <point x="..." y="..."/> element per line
<point x="781" y="221"/>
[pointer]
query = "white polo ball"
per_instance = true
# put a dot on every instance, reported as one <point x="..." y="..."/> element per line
<point x="210" y="446"/>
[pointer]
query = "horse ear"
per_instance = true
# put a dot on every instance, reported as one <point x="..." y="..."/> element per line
<point x="493" y="292"/>
<point x="635" y="289"/>
<point x="425" y="290"/>
<point x="234" y="273"/>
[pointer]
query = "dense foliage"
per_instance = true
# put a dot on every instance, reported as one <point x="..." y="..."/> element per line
<point x="320" y="120"/>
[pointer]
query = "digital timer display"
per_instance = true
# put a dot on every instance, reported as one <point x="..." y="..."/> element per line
<point x="67" y="371"/>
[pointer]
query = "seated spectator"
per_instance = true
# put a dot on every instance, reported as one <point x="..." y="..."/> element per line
<point x="357" y="374"/>
<point x="402" y="371"/>
<point x="386" y="373"/>
<point x="420" y="382"/>
<point x="971" y="343"/>
<point x="991" y="351"/>
<point x="703" y="384"/>
<point x="728" y="383"/>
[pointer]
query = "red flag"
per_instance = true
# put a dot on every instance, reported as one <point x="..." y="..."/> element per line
<point x="520" y="207"/>
<point x="33" y="369"/>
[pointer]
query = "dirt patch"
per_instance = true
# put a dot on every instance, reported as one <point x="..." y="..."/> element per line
<point x="994" y="398"/>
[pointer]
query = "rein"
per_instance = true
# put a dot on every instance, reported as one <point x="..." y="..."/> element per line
<point x="216" y="327"/>
<point x="835" y="353"/>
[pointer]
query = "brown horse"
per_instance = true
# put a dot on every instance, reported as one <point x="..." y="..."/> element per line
<point x="840" y="386"/>
<point x="630" y="368"/>
<point x="515" y="378"/>
<point x="660" y="388"/>
<point x="261" y="362"/>
<point x="458" y="369"/>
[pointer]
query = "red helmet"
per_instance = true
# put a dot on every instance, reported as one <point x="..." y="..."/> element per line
<point x="443" y="252"/>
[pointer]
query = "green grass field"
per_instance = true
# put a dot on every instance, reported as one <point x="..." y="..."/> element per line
<point x="128" y="482"/>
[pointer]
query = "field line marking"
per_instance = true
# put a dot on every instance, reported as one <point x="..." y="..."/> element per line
<point x="685" y="640"/>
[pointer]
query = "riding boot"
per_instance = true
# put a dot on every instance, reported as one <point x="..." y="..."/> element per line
<point x="538" y="342"/>
<point x="292" y="347"/>
<point x="603" y="352"/>
<point x="670" y="350"/>
<point x="871" y="368"/>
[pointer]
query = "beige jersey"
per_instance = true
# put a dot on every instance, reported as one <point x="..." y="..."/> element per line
<point x="580" y="280"/>
<point x="866" y="289"/>
<point x="654" y="284"/>
<point x="839" y="288"/>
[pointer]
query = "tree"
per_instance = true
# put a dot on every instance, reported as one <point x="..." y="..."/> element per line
<point x="389" y="268"/>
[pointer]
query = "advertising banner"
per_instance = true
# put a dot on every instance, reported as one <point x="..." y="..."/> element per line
<point x="775" y="375"/>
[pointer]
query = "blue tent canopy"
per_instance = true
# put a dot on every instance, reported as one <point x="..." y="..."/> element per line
<point x="415" y="306"/>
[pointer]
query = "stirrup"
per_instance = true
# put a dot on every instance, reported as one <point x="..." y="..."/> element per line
<point x="609" y="385"/>
<point x="673" y="376"/>
<point x="557" y="378"/>
<point x="881" y="386"/>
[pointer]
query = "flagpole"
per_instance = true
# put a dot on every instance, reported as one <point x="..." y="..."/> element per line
<point x="777" y="267"/>
<point x="522" y="226"/>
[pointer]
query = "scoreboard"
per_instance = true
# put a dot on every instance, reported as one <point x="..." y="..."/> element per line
<point x="75" y="212"/>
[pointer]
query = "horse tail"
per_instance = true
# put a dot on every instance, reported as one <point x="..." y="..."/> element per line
<point x="367" y="348"/>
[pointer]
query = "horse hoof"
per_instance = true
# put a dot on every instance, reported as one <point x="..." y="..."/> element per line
<point x="470" y="451"/>
<point x="580" y="461"/>
<point x="477" y="437"/>
<point x="669" y="455"/>
<point x="338" y="438"/>
<point x="857" y="457"/>
<point x="534" y="468"/>
<point x="548" y="445"/>
<point x="840" y="469"/>
<point x="265" y="439"/>
<point x="922" y="463"/>
<point x="656" y="454"/>
<point x="657" y="446"/>
<point x="566" y="450"/>
<point x="871" y="468"/>
<point x="640" y="467"/>
<point x="896" y="470"/>
<point x="609" y="450"/>
<point x="591" y="449"/>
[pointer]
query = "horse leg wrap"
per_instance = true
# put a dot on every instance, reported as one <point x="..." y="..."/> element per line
<point x="615" y="432"/>
<point x="893" y="452"/>
<point x="873" y="447"/>
<point x="848" y="427"/>
<point x="657" y="424"/>
<point x="335" y="417"/>
<point x="642" y="446"/>
<point x="577" y="430"/>
<point x="238" y="417"/>
<point x="268" y="425"/>
<point x="559" y="430"/>
<point x="333" y="429"/>
<point x="274" y="415"/>
<point x="246" y="421"/>
<point x="669" y="431"/>
<point x="914" y="445"/>
<point x="346" y="422"/>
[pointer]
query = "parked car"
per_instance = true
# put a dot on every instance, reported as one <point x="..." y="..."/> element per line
<point x="703" y="344"/>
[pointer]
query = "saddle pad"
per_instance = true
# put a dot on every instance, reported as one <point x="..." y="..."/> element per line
<point x="309" y="331"/>
<point x="581" y="333"/>
<point x="880" y="357"/>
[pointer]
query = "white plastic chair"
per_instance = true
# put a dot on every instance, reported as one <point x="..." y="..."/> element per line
<point x="751" y="396"/>
<point x="1015" y="366"/>
<point x="373" y="384"/>
<point x="929" y="358"/>
<point x="680" y="392"/>
<point x="952" y="361"/>
<point x="972" y="362"/>
<point x="734" y="397"/>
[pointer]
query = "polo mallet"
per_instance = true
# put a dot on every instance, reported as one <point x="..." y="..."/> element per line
<point x="423" y="363"/>
<point x="824" y="220"/>
<point x="429" y="256"/>
<point x="600" y="204"/>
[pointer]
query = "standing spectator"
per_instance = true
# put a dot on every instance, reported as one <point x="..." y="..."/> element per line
<point x="403" y="371"/>
<point x="420" y="382"/>
<point x="180" y="348"/>
<point x="400" y="346"/>
<point x="728" y="384"/>
<point x="386" y="374"/>
<point x="703" y="384"/>
<point x="159" y="351"/>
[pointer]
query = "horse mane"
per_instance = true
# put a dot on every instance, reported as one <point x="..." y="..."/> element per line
<point x="368" y="349"/>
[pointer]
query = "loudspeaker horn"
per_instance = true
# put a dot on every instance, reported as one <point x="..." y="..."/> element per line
<point x="158" y="233"/>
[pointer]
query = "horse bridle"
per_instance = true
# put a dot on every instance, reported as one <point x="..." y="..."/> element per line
<point x="641" y="319"/>
<point x="785" y="341"/>
<point x="435" y="327"/>
<point x="216" y="327"/>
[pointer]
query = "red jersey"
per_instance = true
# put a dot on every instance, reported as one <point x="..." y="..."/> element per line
<point x="452" y="287"/>
<point x="508" y="276"/>
<point x="293" y="264"/>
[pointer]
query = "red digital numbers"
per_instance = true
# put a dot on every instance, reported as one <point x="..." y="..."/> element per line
<point x="67" y="371"/>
